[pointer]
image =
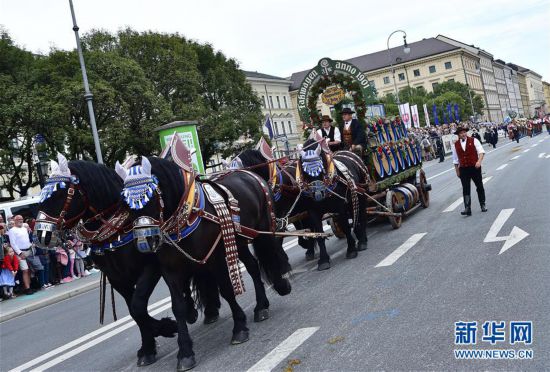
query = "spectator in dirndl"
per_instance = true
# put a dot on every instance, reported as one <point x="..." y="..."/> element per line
<point x="9" y="266"/>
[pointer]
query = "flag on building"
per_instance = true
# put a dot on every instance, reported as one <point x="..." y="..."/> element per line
<point x="268" y="127"/>
<point x="450" y="113"/>
<point x="457" y="117"/>
<point x="426" y="116"/>
<point x="436" y="119"/>
<point x="415" y="118"/>
<point x="405" y="113"/>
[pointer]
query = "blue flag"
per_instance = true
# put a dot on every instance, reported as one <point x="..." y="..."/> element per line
<point x="450" y="110"/>
<point x="268" y="126"/>
<point x="457" y="117"/>
<point x="436" y="120"/>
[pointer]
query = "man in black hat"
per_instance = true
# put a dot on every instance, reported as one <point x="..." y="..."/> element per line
<point x="467" y="157"/>
<point x="330" y="133"/>
<point x="353" y="132"/>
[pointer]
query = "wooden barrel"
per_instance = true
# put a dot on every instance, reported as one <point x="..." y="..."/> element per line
<point x="384" y="133"/>
<point x="386" y="164"/>
<point x="395" y="133"/>
<point x="399" y="156"/>
<point x="419" y="152"/>
<point x="414" y="191"/>
<point x="404" y="196"/>
<point x="411" y="153"/>
<point x="377" y="165"/>
<point x="394" y="162"/>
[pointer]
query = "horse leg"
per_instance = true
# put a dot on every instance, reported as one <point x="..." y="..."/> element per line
<point x="261" y="311"/>
<point x="361" y="228"/>
<point x="191" y="314"/>
<point x="274" y="262"/>
<point x="240" y="331"/>
<point x="343" y="222"/>
<point x="207" y="290"/>
<point x="176" y="283"/>
<point x="324" y="258"/>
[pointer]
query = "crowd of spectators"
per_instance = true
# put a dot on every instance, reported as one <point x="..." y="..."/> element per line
<point x="26" y="268"/>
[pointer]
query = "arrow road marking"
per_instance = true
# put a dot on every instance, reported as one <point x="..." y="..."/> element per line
<point x="502" y="166"/>
<point x="460" y="200"/>
<point x="515" y="236"/>
<point x="283" y="350"/>
<point x="401" y="250"/>
<point x="541" y="155"/>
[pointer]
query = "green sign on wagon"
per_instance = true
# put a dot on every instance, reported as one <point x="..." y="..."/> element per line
<point x="187" y="130"/>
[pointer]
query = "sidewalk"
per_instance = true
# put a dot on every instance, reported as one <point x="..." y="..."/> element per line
<point x="24" y="304"/>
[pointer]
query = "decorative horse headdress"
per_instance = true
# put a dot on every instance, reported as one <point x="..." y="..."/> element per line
<point x="312" y="163"/>
<point x="60" y="177"/>
<point x="139" y="183"/>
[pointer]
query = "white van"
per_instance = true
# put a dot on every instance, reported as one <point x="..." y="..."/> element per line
<point x="26" y="206"/>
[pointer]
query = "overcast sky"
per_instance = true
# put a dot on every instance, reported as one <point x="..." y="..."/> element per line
<point x="285" y="36"/>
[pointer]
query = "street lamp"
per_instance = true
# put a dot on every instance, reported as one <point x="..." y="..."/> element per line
<point x="406" y="50"/>
<point x="87" y="94"/>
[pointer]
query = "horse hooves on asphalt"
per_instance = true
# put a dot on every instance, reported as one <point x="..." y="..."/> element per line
<point x="209" y="319"/>
<point x="282" y="286"/>
<point x="185" y="364"/>
<point x="146" y="360"/>
<point x="261" y="315"/>
<point x="192" y="316"/>
<point x="351" y="254"/>
<point x="310" y="256"/>
<point x="323" y="266"/>
<point x="361" y="246"/>
<point x="239" y="337"/>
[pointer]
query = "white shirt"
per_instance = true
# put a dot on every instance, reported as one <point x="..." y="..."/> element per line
<point x="337" y="136"/>
<point x="19" y="239"/>
<point x="347" y="124"/>
<point x="477" y="144"/>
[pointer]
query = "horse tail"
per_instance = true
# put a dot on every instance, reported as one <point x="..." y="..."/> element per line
<point x="205" y="291"/>
<point x="273" y="262"/>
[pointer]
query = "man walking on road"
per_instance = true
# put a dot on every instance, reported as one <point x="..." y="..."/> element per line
<point x="467" y="157"/>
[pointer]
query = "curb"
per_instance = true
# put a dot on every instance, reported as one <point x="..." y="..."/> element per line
<point x="49" y="301"/>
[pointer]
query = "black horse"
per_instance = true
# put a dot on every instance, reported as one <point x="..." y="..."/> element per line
<point x="328" y="187"/>
<point x="178" y="257"/>
<point x="90" y="192"/>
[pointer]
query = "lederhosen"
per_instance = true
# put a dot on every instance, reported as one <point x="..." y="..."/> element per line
<point x="468" y="172"/>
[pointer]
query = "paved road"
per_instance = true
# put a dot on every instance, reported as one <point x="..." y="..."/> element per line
<point x="392" y="308"/>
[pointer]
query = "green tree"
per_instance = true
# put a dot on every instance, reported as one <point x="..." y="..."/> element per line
<point x="464" y="91"/>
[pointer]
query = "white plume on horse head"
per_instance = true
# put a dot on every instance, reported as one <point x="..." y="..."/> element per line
<point x="54" y="167"/>
<point x="121" y="171"/>
<point x="318" y="150"/>
<point x="145" y="166"/>
<point x="61" y="167"/>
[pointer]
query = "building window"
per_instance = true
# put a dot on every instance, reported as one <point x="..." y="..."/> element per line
<point x="276" y="127"/>
<point x="371" y="83"/>
<point x="386" y="79"/>
<point x="416" y="73"/>
<point x="290" y="127"/>
<point x="451" y="80"/>
<point x="271" y="102"/>
<point x="448" y="66"/>
<point x="278" y="102"/>
<point x="401" y="76"/>
<point x="432" y="69"/>
<point x="434" y="85"/>
<point x="263" y="102"/>
<point x="284" y="100"/>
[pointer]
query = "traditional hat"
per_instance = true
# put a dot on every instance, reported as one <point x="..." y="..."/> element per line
<point x="461" y="128"/>
<point x="347" y="110"/>
<point x="326" y="118"/>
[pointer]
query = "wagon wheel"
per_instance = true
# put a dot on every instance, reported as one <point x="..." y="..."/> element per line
<point x="424" y="194"/>
<point x="391" y="203"/>
<point x="336" y="229"/>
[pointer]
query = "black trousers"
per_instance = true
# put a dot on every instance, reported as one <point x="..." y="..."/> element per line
<point x="468" y="174"/>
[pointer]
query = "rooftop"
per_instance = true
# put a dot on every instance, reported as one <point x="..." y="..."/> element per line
<point x="378" y="60"/>
<point x="259" y="75"/>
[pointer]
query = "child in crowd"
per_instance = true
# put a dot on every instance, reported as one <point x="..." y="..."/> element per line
<point x="10" y="265"/>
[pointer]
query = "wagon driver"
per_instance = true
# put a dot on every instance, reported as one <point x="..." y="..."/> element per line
<point x="353" y="132"/>
<point x="467" y="157"/>
<point x="330" y="133"/>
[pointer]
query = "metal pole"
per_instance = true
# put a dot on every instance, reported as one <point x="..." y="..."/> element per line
<point x="88" y="96"/>
<point x="391" y="63"/>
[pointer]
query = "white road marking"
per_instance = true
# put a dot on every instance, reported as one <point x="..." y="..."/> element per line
<point x="547" y="156"/>
<point x="541" y="155"/>
<point x="515" y="157"/>
<point x="526" y="150"/>
<point x="123" y="323"/>
<point x="515" y="236"/>
<point x="502" y="166"/>
<point x="542" y="140"/>
<point x="439" y="174"/>
<point x="536" y="144"/>
<point x="283" y="350"/>
<point x="460" y="200"/>
<point x="401" y="250"/>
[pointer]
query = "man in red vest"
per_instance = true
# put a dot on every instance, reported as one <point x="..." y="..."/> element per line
<point x="467" y="157"/>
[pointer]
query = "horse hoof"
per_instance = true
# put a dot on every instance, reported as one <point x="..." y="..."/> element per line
<point x="239" y="337"/>
<point x="192" y="317"/>
<point x="351" y="254"/>
<point x="323" y="266"/>
<point x="282" y="287"/>
<point x="209" y="319"/>
<point x="261" y="315"/>
<point x="185" y="364"/>
<point x="362" y="246"/>
<point x="146" y="360"/>
<point x="310" y="256"/>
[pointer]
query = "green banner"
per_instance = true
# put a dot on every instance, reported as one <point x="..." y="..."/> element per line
<point x="187" y="130"/>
